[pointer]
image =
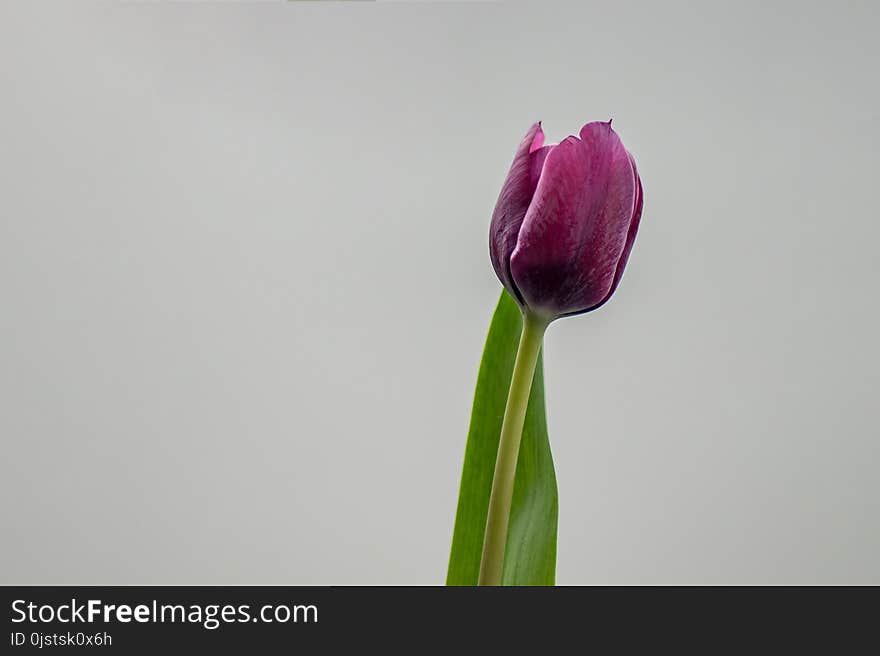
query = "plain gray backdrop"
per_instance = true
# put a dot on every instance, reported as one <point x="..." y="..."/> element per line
<point x="245" y="287"/>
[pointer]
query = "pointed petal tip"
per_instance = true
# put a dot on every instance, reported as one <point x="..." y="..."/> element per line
<point x="538" y="138"/>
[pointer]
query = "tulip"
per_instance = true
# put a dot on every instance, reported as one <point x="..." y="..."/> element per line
<point x="566" y="220"/>
<point x="559" y="239"/>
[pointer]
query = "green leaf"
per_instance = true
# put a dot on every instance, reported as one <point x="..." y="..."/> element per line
<point x="530" y="554"/>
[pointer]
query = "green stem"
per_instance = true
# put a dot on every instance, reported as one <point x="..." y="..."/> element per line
<point x="492" y="563"/>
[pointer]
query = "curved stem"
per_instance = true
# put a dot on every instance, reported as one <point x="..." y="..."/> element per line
<point x="495" y="540"/>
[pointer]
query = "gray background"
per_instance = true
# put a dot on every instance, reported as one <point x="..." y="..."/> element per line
<point x="245" y="286"/>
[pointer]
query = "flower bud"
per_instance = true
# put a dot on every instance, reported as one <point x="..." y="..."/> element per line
<point x="565" y="221"/>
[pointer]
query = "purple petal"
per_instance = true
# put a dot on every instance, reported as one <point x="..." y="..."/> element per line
<point x="576" y="228"/>
<point x="513" y="202"/>
<point x="536" y="164"/>
<point x="630" y="236"/>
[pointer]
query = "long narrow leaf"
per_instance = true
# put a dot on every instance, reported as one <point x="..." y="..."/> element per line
<point x="530" y="557"/>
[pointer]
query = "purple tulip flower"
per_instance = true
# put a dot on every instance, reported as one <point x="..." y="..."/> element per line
<point x="565" y="221"/>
